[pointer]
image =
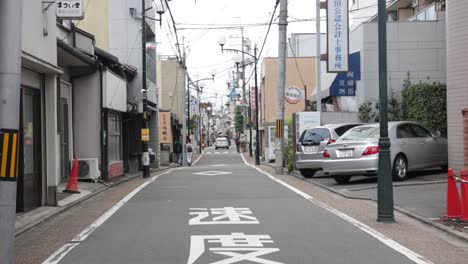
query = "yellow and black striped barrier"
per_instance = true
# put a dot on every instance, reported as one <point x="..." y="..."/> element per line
<point x="279" y="128"/>
<point x="8" y="154"/>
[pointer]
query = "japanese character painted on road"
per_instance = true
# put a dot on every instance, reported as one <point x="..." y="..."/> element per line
<point x="222" y="216"/>
<point x="238" y="246"/>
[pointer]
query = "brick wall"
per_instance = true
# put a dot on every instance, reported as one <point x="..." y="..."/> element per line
<point x="457" y="84"/>
<point x="115" y="169"/>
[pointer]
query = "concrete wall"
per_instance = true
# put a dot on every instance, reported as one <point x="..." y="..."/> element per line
<point x="39" y="33"/>
<point x="96" y="13"/>
<point x="171" y="80"/>
<point x="417" y="48"/>
<point x="296" y="75"/>
<point x="87" y="116"/>
<point x="457" y="86"/>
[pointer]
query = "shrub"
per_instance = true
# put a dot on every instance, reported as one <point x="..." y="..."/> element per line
<point x="426" y="103"/>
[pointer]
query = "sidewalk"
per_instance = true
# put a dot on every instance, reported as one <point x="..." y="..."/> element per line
<point x="422" y="196"/>
<point x="26" y="221"/>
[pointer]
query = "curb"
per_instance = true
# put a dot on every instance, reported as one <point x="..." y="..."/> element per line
<point x="423" y="220"/>
<point x="60" y="210"/>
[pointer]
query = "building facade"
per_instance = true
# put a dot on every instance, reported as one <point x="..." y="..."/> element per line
<point x="118" y="25"/>
<point x="457" y="87"/>
<point x="300" y="80"/>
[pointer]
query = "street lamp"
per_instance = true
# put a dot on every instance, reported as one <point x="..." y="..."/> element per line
<point x="222" y="41"/>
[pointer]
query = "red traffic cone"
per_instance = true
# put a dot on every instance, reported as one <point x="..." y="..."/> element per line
<point x="453" y="199"/>
<point x="464" y="196"/>
<point x="72" y="185"/>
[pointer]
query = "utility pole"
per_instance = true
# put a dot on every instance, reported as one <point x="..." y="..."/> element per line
<point x="244" y="99"/>
<point x="10" y="79"/>
<point x="283" y="24"/>
<point x="144" y="142"/>
<point x="384" y="182"/>
<point x="185" y="128"/>
<point x="257" y="140"/>
<point x="318" y="77"/>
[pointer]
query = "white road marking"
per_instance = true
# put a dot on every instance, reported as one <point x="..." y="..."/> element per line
<point x="60" y="254"/>
<point x="212" y="173"/>
<point x="415" y="257"/>
<point x="218" y="165"/>
<point x="64" y="250"/>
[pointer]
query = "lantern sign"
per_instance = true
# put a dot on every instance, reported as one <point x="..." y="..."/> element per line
<point x="70" y="9"/>
<point x="337" y="35"/>
<point x="293" y="95"/>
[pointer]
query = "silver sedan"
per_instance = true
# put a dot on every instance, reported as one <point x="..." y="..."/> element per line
<point x="412" y="147"/>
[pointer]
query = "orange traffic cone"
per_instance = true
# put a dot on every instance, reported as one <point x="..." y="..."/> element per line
<point x="453" y="199"/>
<point x="72" y="185"/>
<point x="464" y="196"/>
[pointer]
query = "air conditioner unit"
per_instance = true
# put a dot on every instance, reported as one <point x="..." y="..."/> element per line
<point x="88" y="169"/>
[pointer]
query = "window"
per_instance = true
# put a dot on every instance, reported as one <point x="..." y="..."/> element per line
<point x="421" y="131"/>
<point x="315" y="136"/>
<point x="114" y="138"/>
<point x="361" y="133"/>
<point x="405" y="131"/>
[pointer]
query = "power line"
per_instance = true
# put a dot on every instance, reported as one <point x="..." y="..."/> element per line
<point x="295" y="61"/>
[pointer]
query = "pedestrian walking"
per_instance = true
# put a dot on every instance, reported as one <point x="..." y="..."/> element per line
<point x="178" y="152"/>
<point x="242" y="142"/>
<point x="189" y="148"/>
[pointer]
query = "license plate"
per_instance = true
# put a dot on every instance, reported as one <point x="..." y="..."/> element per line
<point x="310" y="148"/>
<point x="344" y="153"/>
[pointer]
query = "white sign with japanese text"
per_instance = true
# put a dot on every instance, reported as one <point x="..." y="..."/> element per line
<point x="70" y="9"/>
<point x="237" y="247"/>
<point x="338" y="35"/>
<point x="222" y="216"/>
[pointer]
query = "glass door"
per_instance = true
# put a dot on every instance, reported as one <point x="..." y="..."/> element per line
<point x="30" y="172"/>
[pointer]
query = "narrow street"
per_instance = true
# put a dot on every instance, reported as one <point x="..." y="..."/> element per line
<point x="221" y="210"/>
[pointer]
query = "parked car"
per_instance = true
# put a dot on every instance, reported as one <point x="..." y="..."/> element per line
<point x="221" y="142"/>
<point x="412" y="147"/>
<point x="312" y="143"/>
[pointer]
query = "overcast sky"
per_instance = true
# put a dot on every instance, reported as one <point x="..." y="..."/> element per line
<point x="198" y="26"/>
<point x="203" y="52"/>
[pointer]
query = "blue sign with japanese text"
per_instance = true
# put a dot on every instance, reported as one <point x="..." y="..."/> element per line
<point x="345" y="82"/>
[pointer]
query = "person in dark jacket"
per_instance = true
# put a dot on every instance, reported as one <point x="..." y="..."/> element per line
<point x="178" y="152"/>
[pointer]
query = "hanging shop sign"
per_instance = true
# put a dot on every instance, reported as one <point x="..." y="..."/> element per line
<point x="70" y="9"/>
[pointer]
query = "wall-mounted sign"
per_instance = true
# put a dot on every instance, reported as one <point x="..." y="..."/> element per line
<point x="293" y="95"/>
<point x="70" y="9"/>
<point x="337" y="35"/>
<point x="345" y="82"/>
<point x="145" y="134"/>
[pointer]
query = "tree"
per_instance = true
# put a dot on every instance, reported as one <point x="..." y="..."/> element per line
<point x="238" y="121"/>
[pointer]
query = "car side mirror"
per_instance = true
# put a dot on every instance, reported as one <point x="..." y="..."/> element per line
<point x="436" y="134"/>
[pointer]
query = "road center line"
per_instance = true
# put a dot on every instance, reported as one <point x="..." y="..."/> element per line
<point x="415" y="257"/>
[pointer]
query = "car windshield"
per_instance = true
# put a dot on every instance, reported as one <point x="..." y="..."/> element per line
<point x="315" y="135"/>
<point x="360" y="133"/>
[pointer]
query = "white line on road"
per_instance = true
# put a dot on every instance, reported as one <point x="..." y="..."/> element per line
<point x="415" y="257"/>
<point x="63" y="251"/>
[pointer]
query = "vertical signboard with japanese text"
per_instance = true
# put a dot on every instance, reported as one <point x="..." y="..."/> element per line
<point x="337" y="35"/>
<point x="165" y="129"/>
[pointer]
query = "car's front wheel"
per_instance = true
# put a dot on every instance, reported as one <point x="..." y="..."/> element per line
<point x="400" y="168"/>
<point x="342" y="179"/>
<point x="307" y="173"/>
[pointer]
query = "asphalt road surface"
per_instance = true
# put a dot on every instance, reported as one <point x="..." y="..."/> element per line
<point x="223" y="211"/>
